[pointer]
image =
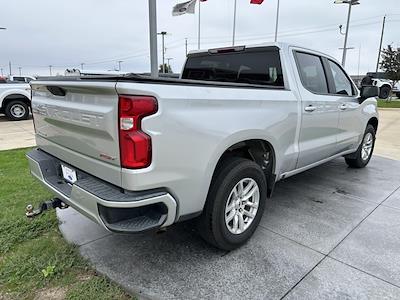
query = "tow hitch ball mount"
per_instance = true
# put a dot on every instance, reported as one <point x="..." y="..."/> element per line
<point x="47" y="205"/>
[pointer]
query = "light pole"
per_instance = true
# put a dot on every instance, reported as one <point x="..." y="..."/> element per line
<point x="199" y="28"/>
<point x="20" y="71"/>
<point x="153" y="37"/>
<point x="3" y="28"/>
<point x="163" y="34"/>
<point x="119" y="65"/>
<point x="50" y="66"/>
<point x="277" y="21"/>
<point x="350" y="3"/>
<point x="234" y="23"/>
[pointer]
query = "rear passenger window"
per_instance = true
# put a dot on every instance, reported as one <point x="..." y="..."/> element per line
<point x="312" y="73"/>
<point x="342" y="83"/>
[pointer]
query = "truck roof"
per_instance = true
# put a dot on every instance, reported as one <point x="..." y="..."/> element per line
<point x="280" y="45"/>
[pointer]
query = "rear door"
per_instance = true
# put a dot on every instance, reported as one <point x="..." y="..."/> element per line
<point x="320" y="111"/>
<point x="345" y="93"/>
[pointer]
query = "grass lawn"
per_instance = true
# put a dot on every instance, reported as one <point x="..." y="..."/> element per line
<point x="35" y="261"/>
<point x="389" y="104"/>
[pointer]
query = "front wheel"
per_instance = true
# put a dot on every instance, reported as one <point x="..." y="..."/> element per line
<point x="235" y="204"/>
<point x="17" y="110"/>
<point x="384" y="92"/>
<point x="362" y="156"/>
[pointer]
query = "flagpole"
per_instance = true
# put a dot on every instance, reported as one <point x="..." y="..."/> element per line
<point x="277" y="22"/>
<point x="234" y="24"/>
<point x="153" y="37"/>
<point x="198" y="34"/>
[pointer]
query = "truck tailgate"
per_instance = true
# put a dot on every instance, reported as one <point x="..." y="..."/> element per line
<point x="78" y="119"/>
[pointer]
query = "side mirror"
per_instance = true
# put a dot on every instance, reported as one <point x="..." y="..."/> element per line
<point x="368" y="91"/>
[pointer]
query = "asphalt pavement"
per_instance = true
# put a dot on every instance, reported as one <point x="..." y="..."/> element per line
<point x="329" y="233"/>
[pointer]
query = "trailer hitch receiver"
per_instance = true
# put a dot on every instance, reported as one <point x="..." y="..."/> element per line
<point x="47" y="205"/>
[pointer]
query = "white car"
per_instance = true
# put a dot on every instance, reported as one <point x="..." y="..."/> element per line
<point x="25" y="79"/>
<point x="15" y="100"/>
<point x="396" y="90"/>
<point x="384" y="85"/>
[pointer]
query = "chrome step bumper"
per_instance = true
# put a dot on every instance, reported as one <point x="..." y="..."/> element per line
<point x="104" y="203"/>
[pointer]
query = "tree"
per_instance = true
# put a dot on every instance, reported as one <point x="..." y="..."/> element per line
<point x="391" y="63"/>
<point x="167" y="67"/>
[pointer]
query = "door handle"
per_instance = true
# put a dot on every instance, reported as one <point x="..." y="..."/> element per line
<point x="310" y="108"/>
<point x="343" y="106"/>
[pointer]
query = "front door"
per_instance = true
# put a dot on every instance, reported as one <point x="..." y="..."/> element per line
<point x="350" y="126"/>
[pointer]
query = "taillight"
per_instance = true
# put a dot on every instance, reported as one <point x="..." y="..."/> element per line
<point x="134" y="144"/>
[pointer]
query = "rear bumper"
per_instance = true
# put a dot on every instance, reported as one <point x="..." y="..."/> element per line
<point x="108" y="205"/>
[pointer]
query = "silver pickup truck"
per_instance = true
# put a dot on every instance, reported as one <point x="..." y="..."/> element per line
<point x="135" y="153"/>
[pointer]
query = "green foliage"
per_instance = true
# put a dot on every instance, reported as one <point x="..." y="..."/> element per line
<point x="34" y="258"/>
<point x="48" y="271"/>
<point x="167" y="67"/>
<point x="390" y="63"/>
<point x="17" y="189"/>
<point x="389" y="104"/>
<point x="96" y="286"/>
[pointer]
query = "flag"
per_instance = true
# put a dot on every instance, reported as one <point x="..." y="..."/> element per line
<point x="256" y="1"/>
<point x="184" y="8"/>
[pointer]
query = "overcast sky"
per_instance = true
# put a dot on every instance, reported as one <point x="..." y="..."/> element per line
<point x="65" y="33"/>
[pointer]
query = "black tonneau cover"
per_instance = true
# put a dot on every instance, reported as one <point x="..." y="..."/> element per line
<point x="132" y="77"/>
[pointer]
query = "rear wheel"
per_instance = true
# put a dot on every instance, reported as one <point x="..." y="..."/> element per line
<point x="384" y="92"/>
<point x="234" y="205"/>
<point x="17" y="110"/>
<point x="361" y="158"/>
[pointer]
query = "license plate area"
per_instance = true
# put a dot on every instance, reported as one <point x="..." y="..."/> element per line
<point x="69" y="174"/>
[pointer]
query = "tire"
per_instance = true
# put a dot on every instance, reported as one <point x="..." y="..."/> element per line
<point x="359" y="159"/>
<point x="17" y="110"/>
<point x="398" y="95"/>
<point x="213" y="224"/>
<point x="384" y="92"/>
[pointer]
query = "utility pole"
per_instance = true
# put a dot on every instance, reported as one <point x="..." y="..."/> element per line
<point x="119" y="64"/>
<point x="50" y="70"/>
<point x="163" y="34"/>
<point x="9" y="67"/>
<point x="234" y="22"/>
<point x="186" y="46"/>
<point x="82" y="64"/>
<point x="20" y="71"/>
<point x="350" y="3"/>
<point x="277" y="21"/>
<point x="346" y="37"/>
<point x="153" y="37"/>
<point x="380" y="45"/>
